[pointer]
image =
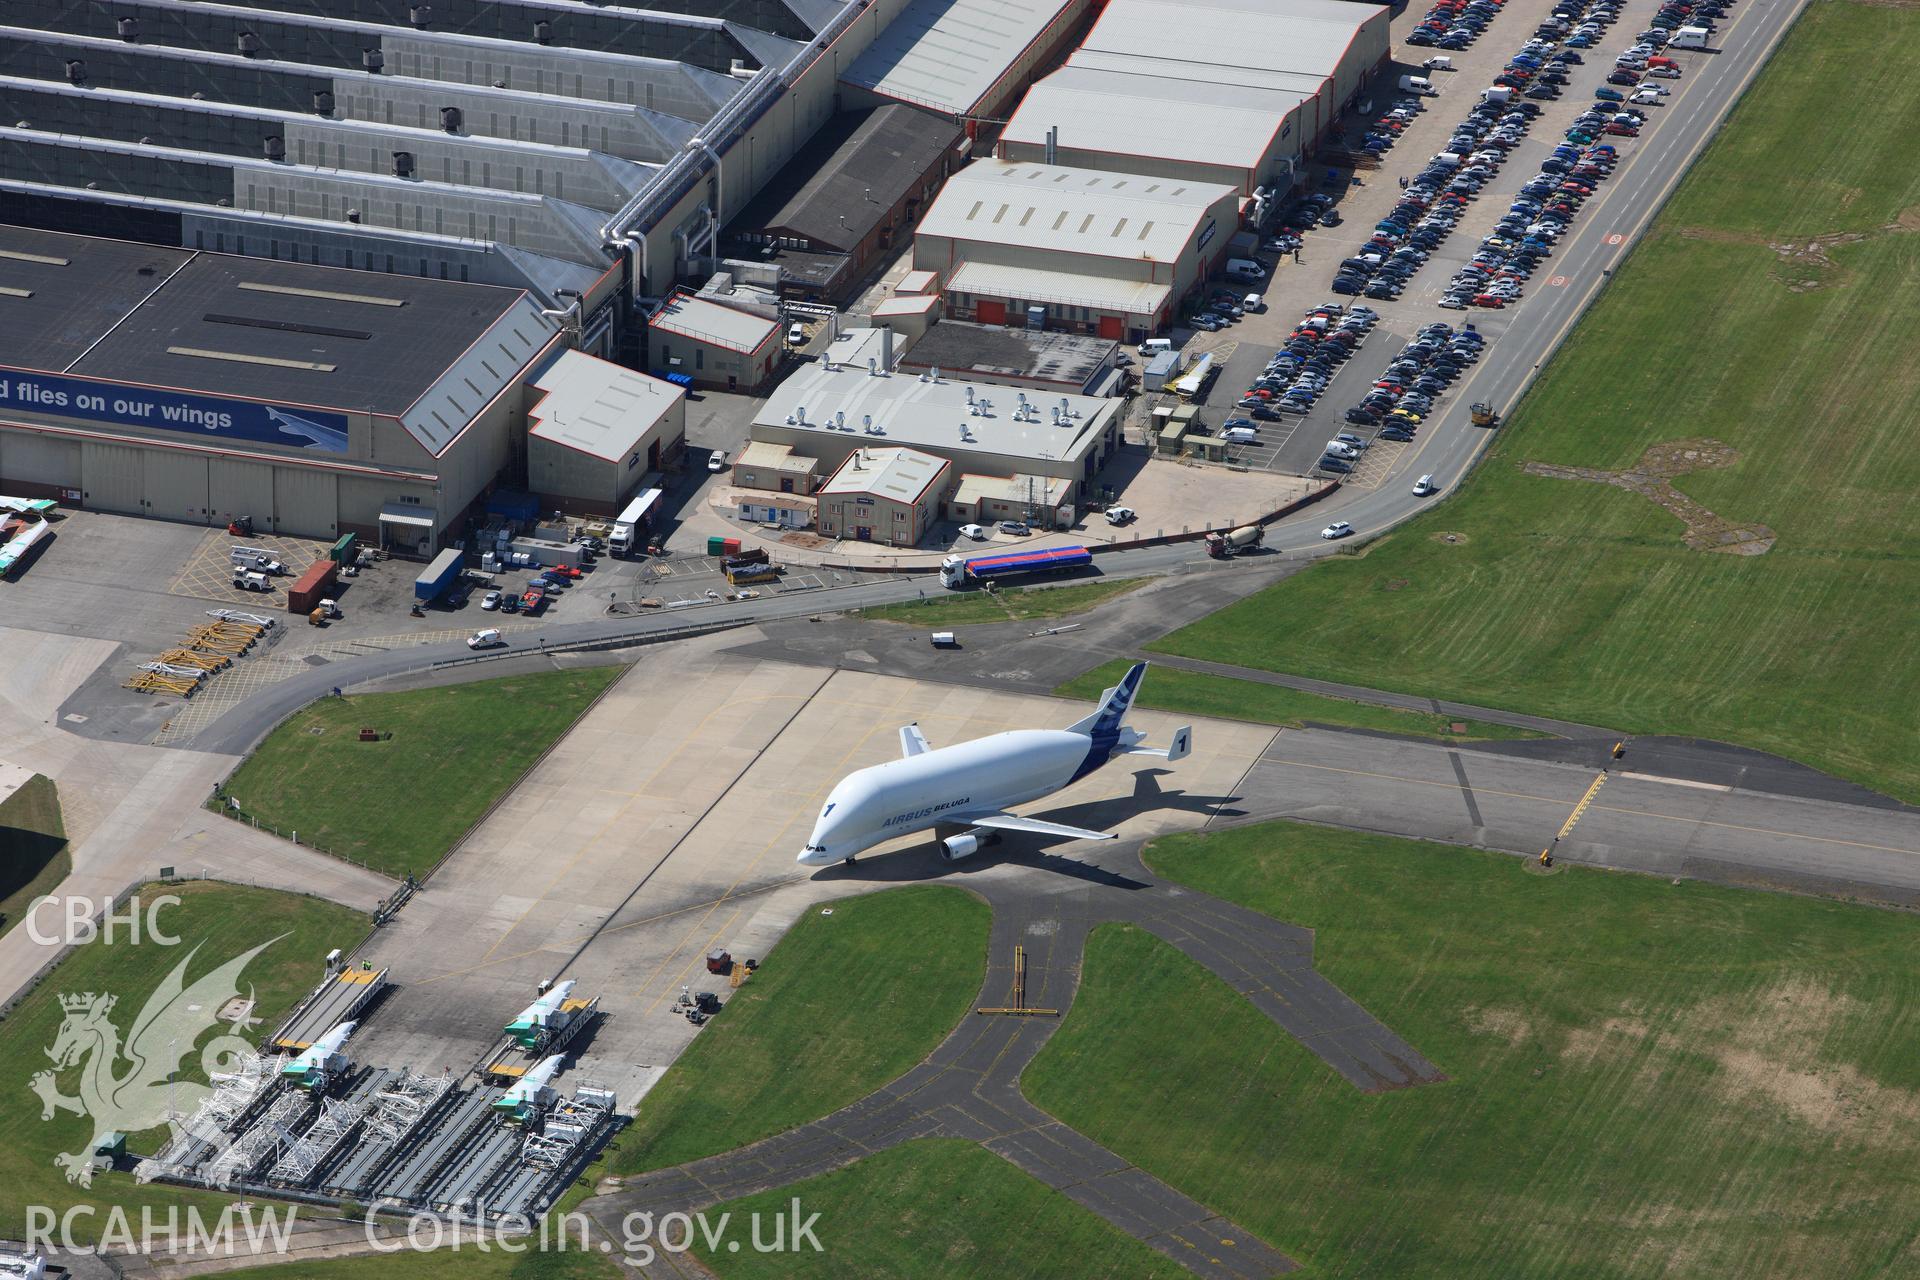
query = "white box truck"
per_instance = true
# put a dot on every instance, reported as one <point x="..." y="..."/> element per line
<point x="630" y="526"/>
<point x="1689" y="38"/>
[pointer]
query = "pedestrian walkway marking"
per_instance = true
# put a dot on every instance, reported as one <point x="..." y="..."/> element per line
<point x="1593" y="789"/>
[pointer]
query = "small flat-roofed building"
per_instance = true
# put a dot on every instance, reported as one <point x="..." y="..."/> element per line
<point x="917" y="282"/>
<point x="775" y="468"/>
<point x="1038" y="500"/>
<point x="965" y="58"/>
<point x="849" y="197"/>
<point x="909" y="316"/>
<point x="1042" y="360"/>
<point x="597" y="430"/>
<point x="840" y="404"/>
<point x="200" y="387"/>
<point x="782" y="510"/>
<point x="1086" y="250"/>
<point x="889" y="495"/>
<point x="712" y="343"/>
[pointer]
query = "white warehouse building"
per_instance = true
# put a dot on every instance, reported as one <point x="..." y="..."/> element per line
<point x="1131" y="99"/>
<point x="1106" y="253"/>
<point x="849" y="401"/>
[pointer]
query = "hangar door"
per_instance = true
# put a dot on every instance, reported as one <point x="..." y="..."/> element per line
<point x="236" y="488"/>
<point x="306" y="502"/>
<point x="114" y="477"/>
<point x="34" y="459"/>
<point x="1110" y="327"/>
<point x="176" y="485"/>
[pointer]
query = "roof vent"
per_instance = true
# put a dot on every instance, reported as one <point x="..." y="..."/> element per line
<point x="129" y="29"/>
<point x="247" y="43"/>
<point x="372" y="60"/>
<point x="451" y="118"/>
<point x="77" y="70"/>
<point x="840" y="419"/>
<point x="274" y="147"/>
<point x="403" y="164"/>
<point x="323" y="102"/>
<point x="420" y="14"/>
<point x="353" y="215"/>
<point x="543" y="32"/>
<point x="800" y="413"/>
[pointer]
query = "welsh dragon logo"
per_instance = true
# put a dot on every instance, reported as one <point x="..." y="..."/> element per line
<point x="126" y="1086"/>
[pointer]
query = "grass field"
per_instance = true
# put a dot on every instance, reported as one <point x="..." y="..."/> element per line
<point x="1646" y="1078"/>
<point x="460" y="745"/>
<point x="1169" y="689"/>
<point x="1580" y="600"/>
<point x="444" y="1264"/>
<point x="943" y="1208"/>
<point x="33" y="848"/>
<point x="845" y="1003"/>
<point x="223" y="921"/>
<point x="1017" y="604"/>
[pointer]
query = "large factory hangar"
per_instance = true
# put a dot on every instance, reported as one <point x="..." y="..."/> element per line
<point x="201" y="387"/>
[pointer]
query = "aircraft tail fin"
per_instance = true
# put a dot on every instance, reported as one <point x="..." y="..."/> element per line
<point x="1105" y="722"/>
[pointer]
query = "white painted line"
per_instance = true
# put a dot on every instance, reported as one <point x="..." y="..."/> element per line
<point x="1673" y="782"/>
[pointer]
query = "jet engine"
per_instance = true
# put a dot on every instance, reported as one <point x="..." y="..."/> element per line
<point x="967" y="843"/>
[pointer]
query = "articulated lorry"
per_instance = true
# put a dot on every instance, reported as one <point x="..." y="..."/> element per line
<point x="631" y="527"/>
<point x="958" y="571"/>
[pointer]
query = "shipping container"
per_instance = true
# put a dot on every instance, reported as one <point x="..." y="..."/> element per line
<point x="752" y="555"/>
<point x="313" y="586"/>
<point x="438" y="576"/>
<point x="716" y="545"/>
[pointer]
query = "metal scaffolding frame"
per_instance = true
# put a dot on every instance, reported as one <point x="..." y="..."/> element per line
<point x="263" y="1141"/>
<point x="401" y="1105"/>
<point x="335" y="1123"/>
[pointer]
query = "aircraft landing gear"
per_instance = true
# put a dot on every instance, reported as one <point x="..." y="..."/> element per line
<point x="851" y="859"/>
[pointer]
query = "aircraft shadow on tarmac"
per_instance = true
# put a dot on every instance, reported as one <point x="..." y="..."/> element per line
<point x="924" y="862"/>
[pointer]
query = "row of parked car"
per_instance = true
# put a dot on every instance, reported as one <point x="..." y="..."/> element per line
<point x="1300" y="370"/>
<point x="1402" y="397"/>
<point x="1384" y="132"/>
<point x="1547" y="204"/>
<point x="1454" y="24"/>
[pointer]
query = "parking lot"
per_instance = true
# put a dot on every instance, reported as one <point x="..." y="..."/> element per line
<point x="208" y="572"/>
<point x="1293" y="444"/>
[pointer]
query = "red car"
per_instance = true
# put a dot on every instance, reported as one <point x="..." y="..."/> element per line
<point x="1491" y="300"/>
<point x="1622" y="131"/>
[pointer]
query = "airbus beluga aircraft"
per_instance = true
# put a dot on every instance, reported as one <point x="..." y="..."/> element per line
<point x="976" y="784"/>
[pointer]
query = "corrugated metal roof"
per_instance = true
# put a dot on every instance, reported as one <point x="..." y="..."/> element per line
<point x="1114" y="215"/>
<point x="1201" y="71"/>
<point x="1128" y="113"/>
<point x="599" y="408"/>
<point x="1061" y="288"/>
<point x="1292" y="35"/>
<point x="946" y="54"/>
<point x="714" y="323"/>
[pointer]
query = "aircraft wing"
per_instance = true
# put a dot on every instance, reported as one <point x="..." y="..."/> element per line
<point x="1034" y="826"/>
<point x="912" y="741"/>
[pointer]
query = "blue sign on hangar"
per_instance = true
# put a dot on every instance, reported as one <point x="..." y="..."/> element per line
<point x="206" y="416"/>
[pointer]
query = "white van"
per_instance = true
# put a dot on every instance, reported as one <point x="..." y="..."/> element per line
<point x="1424" y="486"/>
<point x="1154" y="346"/>
<point x="1246" y="269"/>
<point x="1418" y="84"/>
<point x="1438" y="62"/>
<point x="1689" y="38"/>
<point x="1240" y="435"/>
